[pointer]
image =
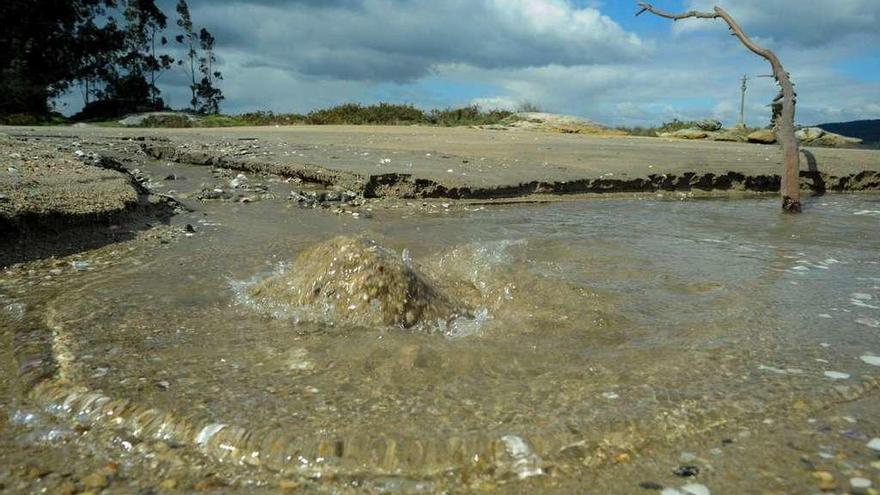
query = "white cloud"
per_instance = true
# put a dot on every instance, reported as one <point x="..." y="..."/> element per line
<point x="296" y="55"/>
<point x="403" y="40"/>
<point x="497" y="103"/>
<point x="805" y="22"/>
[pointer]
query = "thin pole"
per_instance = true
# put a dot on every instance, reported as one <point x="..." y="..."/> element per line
<point x="742" y="104"/>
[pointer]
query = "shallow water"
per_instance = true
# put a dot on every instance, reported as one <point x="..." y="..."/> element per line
<point x="601" y="327"/>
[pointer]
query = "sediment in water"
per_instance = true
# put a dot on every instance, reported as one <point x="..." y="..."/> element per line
<point x="356" y="281"/>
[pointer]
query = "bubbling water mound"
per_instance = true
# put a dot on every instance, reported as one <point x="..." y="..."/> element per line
<point x="356" y="281"/>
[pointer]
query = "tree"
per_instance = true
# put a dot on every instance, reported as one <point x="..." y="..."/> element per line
<point x="190" y="41"/>
<point x="209" y="94"/>
<point x="45" y="44"/>
<point x="206" y="97"/>
<point x="97" y="66"/>
<point x="144" y="23"/>
<point x="784" y="103"/>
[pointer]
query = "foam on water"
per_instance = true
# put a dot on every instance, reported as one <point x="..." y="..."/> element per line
<point x="474" y="263"/>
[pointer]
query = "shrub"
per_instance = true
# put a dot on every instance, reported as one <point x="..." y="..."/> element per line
<point x="466" y="116"/>
<point x="675" y="125"/>
<point x="355" y="114"/>
<point x="528" y="107"/>
<point x="32" y="119"/>
<point x="169" y="121"/>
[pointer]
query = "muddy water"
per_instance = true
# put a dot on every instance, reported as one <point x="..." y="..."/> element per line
<point x="598" y="328"/>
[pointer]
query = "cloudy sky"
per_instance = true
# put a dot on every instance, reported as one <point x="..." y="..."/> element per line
<point x="590" y="58"/>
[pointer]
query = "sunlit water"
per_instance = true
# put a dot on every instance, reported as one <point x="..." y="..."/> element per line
<point x="599" y="326"/>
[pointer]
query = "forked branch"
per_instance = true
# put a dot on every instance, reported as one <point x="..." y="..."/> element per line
<point x="785" y="122"/>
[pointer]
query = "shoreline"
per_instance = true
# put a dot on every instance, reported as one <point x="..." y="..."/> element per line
<point x="85" y="187"/>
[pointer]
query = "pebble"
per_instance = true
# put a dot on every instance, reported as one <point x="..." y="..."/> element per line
<point x="96" y="480"/>
<point x="210" y="484"/>
<point x="836" y="375"/>
<point x="860" y="485"/>
<point x="874" y="444"/>
<point x="288" y="485"/>
<point x="692" y="489"/>
<point x="686" y="471"/>
<point x="872" y="360"/>
<point x="650" y="485"/>
<point x="81" y="265"/>
<point x="826" y="481"/>
<point x="169" y="484"/>
<point x="36" y="472"/>
<point x="695" y="489"/>
<point x="67" y="488"/>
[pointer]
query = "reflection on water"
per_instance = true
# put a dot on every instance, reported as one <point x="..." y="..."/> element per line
<point x="597" y="327"/>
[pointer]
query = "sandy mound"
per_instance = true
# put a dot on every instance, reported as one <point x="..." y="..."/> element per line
<point x="357" y="281"/>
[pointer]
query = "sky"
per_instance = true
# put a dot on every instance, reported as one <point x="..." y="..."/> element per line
<point x="589" y="58"/>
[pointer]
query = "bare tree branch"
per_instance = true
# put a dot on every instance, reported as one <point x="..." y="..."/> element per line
<point x="646" y="7"/>
<point x="785" y="122"/>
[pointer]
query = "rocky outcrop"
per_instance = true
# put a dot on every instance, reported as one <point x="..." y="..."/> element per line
<point x="140" y="119"/>
<point x="357" y="281"/>
<point x="710" y="125"/>
<point x="808" y="136"/>
<point x="763" y="136"/>
<point x="815" y="136"/>
<point x="549" y="122"/>
<point x="690" y="134"/>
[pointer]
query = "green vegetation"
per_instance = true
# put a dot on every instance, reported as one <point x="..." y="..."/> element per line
<point x="33" y="119"/>
<point x="471" y="115"/>
<point x="170" y="121"/>
<point x="347" y="114"/>
<point x="354" y="114"/>
<point x="675" y="125"/>
<point x="108" y="50"/>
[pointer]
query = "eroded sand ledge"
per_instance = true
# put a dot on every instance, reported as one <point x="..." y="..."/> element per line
<point x="54" y="201"/>
<point x="473" y="164"/>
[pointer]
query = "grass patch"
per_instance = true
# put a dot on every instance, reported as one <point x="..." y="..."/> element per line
<point x="354" y="114"/>
<point x="170" y="121"/>
<point x="467" y="116"/>
<point x="674" y="125"/>
<point x="25" y="119"/>
<point x="347" y="114"/>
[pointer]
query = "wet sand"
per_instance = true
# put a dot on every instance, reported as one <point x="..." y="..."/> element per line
<point x="621" y="349"/>
<point x="463" y="162"/>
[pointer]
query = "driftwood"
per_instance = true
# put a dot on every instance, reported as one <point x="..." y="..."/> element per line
<point x="785" y="102"/>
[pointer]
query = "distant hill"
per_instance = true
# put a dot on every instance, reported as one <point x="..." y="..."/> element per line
<point x="867" y="130"/>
